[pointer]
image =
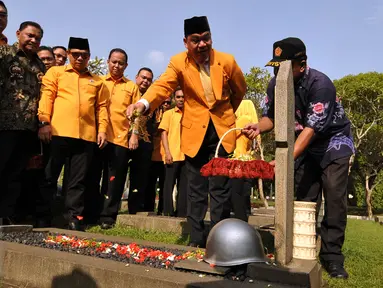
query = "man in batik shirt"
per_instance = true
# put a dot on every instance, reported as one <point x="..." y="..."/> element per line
<point x="21" y="71"/>
<point x="322" y="149"/>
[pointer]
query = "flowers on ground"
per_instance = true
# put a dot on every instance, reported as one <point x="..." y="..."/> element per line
<point x="137" y="253"/>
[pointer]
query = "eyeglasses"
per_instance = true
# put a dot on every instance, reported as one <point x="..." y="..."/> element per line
<point x="77" y="55"/>
<point x="168" y="102"/>
<point x="3" y="14"/>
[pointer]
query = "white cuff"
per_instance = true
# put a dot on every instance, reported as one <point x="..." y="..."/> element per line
<point x="145" y="102"/>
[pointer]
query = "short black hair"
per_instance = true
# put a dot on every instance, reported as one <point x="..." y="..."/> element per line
<point x="31" y="23"/>
<point x="177" y="89"/>
<point x="119" y="50"/>
<point x="58" y="47"/>
<point x="145" y="69"/>
<point x="46" y="48"/>
<point x="3" y="5"/>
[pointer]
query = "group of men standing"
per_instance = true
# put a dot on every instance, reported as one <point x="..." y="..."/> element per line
<point x="86" y="123"/>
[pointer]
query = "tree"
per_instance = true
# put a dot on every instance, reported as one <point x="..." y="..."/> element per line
<point x="257" y="81"/>
<point x="362" y="98"/>
<point x="97" y="66"/>
<point x="370" y="163"/>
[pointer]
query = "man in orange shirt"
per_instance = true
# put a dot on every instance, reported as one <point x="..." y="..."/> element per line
<point x="174" y="159"/>
<point x="214" y="86"/>
<point x="123" y="92"/>
<point x="157" y="167"/>
<point x="3" y="23"/>
<point x="140" y="165"/>
<point x="73" y="117"/>
<point x="241" y="188"/>
<point x="60" y="55"/>
<point x="46" y="55"/>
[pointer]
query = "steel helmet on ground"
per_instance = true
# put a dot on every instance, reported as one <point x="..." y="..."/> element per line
<point x="234" y="242"/>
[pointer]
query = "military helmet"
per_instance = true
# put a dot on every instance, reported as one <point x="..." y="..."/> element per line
<point x="234" y="242"/>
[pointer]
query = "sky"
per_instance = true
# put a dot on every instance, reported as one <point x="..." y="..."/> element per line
<point x="342" y="36"/>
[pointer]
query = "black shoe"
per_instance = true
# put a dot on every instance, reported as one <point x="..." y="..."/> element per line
<point x="335" y="269"/>
<point x="197" y="245"/>
<point x="75" y="225"/>
<point x="106" y="226"/>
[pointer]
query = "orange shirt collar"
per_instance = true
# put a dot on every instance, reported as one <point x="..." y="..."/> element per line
<point x="69" y="67"/>
<point x="109" y="77"/>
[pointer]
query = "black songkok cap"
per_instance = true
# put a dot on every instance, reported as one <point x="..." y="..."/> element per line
<point x="78" y="43"/>
<point x="196" y="25"/>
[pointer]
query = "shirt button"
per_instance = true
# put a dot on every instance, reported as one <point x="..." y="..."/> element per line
<point x="119" y="136"/>
<point x="204" y="126"/>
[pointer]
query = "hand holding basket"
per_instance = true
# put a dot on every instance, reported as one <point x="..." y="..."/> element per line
<point x="235" y="168"/>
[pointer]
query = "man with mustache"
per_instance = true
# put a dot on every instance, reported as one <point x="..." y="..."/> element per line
<point x="74" y="118"/>
<point x="213" y="85"/>
<point x="21" y="71"/>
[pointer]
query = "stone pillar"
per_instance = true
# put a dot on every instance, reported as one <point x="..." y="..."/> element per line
<point x="284" y="127"/>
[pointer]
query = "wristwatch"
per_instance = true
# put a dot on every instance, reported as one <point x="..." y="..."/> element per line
<point x="136" y="132"/>
<point x="43" y="123"/>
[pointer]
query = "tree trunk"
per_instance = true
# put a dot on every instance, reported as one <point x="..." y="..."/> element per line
<point x="260" y="181"/>
<point x="368" y="194"/>
<point x="261" y="194"/>
<point x="351" y="163"/>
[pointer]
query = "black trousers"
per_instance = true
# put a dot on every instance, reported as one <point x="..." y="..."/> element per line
<point x="31" y="201"/>
<point x="97" y="185"/>
<point x="79" y="153"/>
<point x="175" y="172"/>
<point x="156" y="171"/>
<point x="200" y="187"/>
<point x="118" y="164"/>
<point x="310" y="179"/>
<point x="15" y="150"/>
<point x="240" y="198"/>
<point x="139" y="175"/>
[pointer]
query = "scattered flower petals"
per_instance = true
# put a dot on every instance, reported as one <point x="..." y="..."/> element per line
<point x="132" y="250"/>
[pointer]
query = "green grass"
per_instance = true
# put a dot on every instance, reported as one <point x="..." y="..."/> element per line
<point x="134" y="233"/>
<point x="363" y="249"/>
